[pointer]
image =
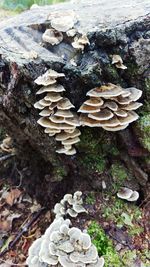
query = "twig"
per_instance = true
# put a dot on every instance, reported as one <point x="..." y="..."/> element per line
<point x="25" y="228"/>
<point x="3" y="158"/>
<point x="12" y="264"/>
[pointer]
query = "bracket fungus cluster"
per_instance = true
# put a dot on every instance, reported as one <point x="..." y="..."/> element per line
<point x="128" y="194"/>
<point x="65" y="246"/>
<point x="70" y="204"/>
<point x="110" y="107"/>
<point x="56" y="117"/>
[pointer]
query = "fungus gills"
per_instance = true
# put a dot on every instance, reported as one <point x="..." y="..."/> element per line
<point x="110" y="107"/>
<point x="64" y="246"/>
<point x="70" y="204"/>
<point x="55" y="113"/>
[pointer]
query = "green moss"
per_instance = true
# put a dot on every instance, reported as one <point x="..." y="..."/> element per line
<point x="132" y="69"/>
<point x="96" y="146"/>
<point x="95" y="163"/>
<point x="104" y="245"/>
<point x="119" y="174"/>
<point x="90" y="199"/>
<point x="123" y="214"/>
<point x="143" y="130"/>
<point x="147" y="87"/>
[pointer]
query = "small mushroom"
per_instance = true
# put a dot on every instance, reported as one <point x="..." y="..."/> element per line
<point x="134" y="196"/>
<point x="63" y="23"/>
<point x="124" y="193"/>
<point x="117" y="60"/>
<point x="48" y="78"/>
<point x="80" y="42"/>
<point x="94" y="102"/>
<point x="52" y="37"/>
<point x="57" y="88"/>
<point x="69" y="152"/>
<point x="106" y="91"/>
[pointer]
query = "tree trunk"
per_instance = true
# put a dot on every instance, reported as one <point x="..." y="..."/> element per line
<point x="118" y="158"/>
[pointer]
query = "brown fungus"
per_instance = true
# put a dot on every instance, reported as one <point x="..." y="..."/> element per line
<point x="112" y="109"/>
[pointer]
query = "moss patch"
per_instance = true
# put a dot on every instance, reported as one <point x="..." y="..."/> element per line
<point x="119" y="174"/>
<point x="143" y="131"/>
<point x="104" y="245"/>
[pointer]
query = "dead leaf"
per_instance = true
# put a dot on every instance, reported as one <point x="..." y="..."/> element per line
<point x="12" y="196"/>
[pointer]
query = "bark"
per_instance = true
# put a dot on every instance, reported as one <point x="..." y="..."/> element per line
<point x="116" y="28"/>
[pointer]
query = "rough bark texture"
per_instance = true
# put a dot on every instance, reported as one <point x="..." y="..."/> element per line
<point x="117" y="158"/>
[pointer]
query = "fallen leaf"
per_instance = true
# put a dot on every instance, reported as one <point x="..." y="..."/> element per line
<point x="12" y="196"/>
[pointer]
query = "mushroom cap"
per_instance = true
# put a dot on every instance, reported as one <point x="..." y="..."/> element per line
<point x="66" y="247"/>
<point x="69" y="152"/>
<point x="38" y="105"/>
<point x="132" y="116"/>
<point x="45" y="112"/>
<point x="132" y="106"/>
<point x="52" y="36"/>
<point x="71" y="32"/>
<point x="120" y="66"/>
<point x="53" y="97"/>
<point x="79" y="208"/>
<point x="71" y="141"/>
<point x="56" y="119"/>
<point x="99" y="263"/>
<point x="88" y="109"/>
<point x="104" y="114"/>
<point x="121" y="113"/>
<point x="73" y="121"/>
<point x="111" y="105"/>
<point x="44" y="254"/>
<point x="135" y="93"/>
<point x="116" y="128"/>
<point x="66" y="262"/>
<point x="65" y="104"/>
<point x="122" y="100"/>
<point x="116" y="59"/>
<point x="106" y="91"/>
<point x="64" y="113"/>
<point x="64" y="136"/>
<point x="63" y="23"/>
<point x="86" y="241"/>
<point x="94" y="102"/>
<point x="45" y="122"/>
<point x="44" y="102"/>
<point x="124" y="193"/>
<point x="86" y="121"/>
<point x="48" y="78"/>
<point x="51" y="130"/>
<point x="87" y="257"/>
<point x="134" y="196"/>
<point x="58" y="88"/>
<point x="111" y="122"/>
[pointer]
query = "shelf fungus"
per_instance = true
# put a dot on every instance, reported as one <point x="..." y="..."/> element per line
<point x="52" y="36"/>
<point x="70" y="205"/>
<point x="56" y="116"/>
<point x="118" y="62"/>
<point x="63" y="22"/>
<point x="110" y="107"/>
<point x="64" y="246"/>
<point x="128" y="194"/>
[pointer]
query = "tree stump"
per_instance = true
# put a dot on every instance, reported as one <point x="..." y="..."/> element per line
<point x="116" y="158"/>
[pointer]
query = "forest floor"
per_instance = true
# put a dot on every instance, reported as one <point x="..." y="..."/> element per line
<point x="119" y="229"/>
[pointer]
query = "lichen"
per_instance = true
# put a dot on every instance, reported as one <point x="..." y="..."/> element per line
<point x="143" y="131"/>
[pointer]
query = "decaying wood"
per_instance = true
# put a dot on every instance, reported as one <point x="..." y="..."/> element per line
<point x="112" y="28"/>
